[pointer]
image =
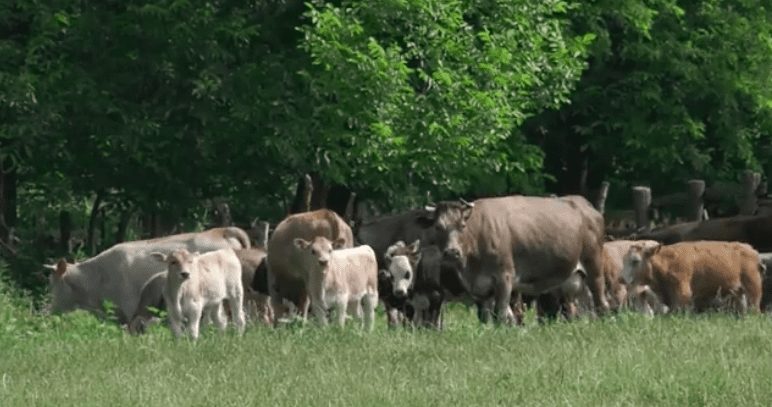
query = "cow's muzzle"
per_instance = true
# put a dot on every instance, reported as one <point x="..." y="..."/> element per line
<point x="400" y="293"/>
<point x="452" y="253"/>
<point x="185" y="275"/>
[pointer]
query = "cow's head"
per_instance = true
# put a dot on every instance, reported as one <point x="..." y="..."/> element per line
<point x="643" y="299"/>
<point x="449" y="220"/>
<point x="67" y="290"/>
<point x="636" y="264"/>
<point x="402" y="262"/>
<point x="181" y="264"/>
<point x="316" y="253"/>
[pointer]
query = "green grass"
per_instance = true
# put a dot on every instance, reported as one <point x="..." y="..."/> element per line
<point x="75" y="360"/>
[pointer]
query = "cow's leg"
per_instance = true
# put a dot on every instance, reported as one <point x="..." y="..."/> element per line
<point x="217" y="314"/>
<point x="483" y="311"/>
<point x="547" y="307"/>
<point x="236" y="298"/>
<point x="319" y="312"/>
<point x="340" y="312"/>
<point x="518" y="308"/>
<point x="276" y="298"/>
<point x="392" y="317"/>
<point x="175" y="319"/>
<point x="193" y="313"/>
<point x="502" y="292"/>
<point x="593" y="265"/>
<point x="369" y="303"/>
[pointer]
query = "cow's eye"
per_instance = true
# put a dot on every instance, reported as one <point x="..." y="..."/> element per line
<point x="313" y="252"/>
<point x="407" y="275"/>
<point x="173" y="263"/>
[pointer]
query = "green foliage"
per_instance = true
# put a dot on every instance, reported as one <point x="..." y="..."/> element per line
<point x="433" y="89"/>
<point x="674" y="87"/>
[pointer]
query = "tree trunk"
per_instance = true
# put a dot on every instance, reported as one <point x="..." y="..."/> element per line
<point x="338" y="200"/>
<point x="321" y="191"/>
<point x="303" y="192"/>
<point x="8" y="214"/>
<point x="65" y="231"/>
<point x="123" y="225"/>
<point x="90" y="241"/>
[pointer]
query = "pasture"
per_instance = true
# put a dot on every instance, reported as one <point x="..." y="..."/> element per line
<point x="626" y="360"/>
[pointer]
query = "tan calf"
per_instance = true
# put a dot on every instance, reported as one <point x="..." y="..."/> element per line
<point x="698" y="275"/>
<point x="345" y="279"/>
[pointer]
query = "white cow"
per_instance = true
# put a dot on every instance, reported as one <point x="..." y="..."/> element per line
<point x="198" y="283"/>
<point x="344" y="279"/>
<point x="118" y="274"/>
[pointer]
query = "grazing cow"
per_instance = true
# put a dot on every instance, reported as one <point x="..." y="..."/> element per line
<point x="151" y="297"/>
<point x="381" y="233"/>
<point x="343" y="279"/>
<point x="753" y="230"/>
<point x="694" y="275"/>
<point x="643" y="299"/>
<point x="197" y="284"/>
<point x="287" y="277"/>
<point x="613" y="255"/>
<point x="118" y="274"/>
<point x="253" y="269"/>
<point x="528" y="244"/>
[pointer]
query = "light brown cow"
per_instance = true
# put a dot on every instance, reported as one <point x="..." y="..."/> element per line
<point x="287" y="277"/>
<point x="528" y="244"/>
<point x="613" y="255"/>
<point x="698" y="275"/>
<point x="341" y="280"/>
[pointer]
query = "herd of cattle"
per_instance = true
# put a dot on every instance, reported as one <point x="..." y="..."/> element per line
<point x="498" y="254"/>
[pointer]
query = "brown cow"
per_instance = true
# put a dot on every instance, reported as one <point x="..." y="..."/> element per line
<point x="694" y="275"/>
<point x="287" y="278"/>
<point x="529" y="244"/>
<point x="753" y="230"/>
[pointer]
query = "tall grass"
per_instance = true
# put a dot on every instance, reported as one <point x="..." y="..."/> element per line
<point x="628" y="360"/>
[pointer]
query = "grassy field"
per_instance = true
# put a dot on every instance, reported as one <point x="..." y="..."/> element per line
<point x="628" y="360"/>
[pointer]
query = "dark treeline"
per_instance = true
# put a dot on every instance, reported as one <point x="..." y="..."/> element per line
<point x="130" y="119"/>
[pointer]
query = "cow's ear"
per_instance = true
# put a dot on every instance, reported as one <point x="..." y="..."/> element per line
<point x="651" y="251"/>
<point x="61" y="267"/>
<point x="392" y="249"/>
<point x="466" y="212"/>
<point x="301" y="244"/>
<point x="160" y="257"/>
<point x="415" y="247"/>
<point x="339" y="243"/>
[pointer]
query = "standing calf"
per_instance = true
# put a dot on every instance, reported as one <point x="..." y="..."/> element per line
<point x="198" y="283"/>
<point x="342" y="279"/>
<point x="697" y="274"/>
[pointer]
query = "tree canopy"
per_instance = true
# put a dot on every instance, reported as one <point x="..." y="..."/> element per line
<point x="160" y="106"/>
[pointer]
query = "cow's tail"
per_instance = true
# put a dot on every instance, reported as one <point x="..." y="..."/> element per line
<point x="239" y="234"/>
<point x="334" y="226"/>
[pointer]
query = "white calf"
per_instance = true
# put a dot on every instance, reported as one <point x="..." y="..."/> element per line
<point x="342" y="279"/>
<point x="198" y="283"/>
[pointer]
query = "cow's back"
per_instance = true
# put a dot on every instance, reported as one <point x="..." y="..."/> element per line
<point x="282" y="253"/>
<point x="712" y="265"/>
<point x="541" y="235"/>
<point x="357" y="267"/>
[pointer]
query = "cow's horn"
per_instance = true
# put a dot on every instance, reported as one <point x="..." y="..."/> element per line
<point x="469" y="204"/>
